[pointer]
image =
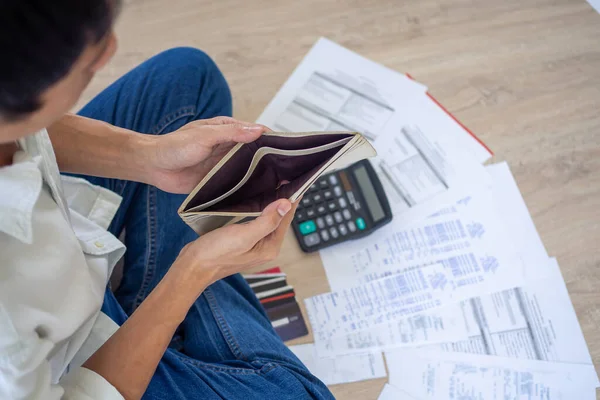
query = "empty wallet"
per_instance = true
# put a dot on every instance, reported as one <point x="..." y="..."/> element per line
<point x="275" y="166"/>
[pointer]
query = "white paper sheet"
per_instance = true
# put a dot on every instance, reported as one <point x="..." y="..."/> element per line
<point x="595" y="4"/>
<point x="452" y="376"/>
<point x="390" y="392"/>
<point x="439" y="326"/>
<point x="421" y="163"/>
<point x="404" y="294"/>
<point x="424" y="108"/>
<point x="536" y="321"/>
<point x="336" y="89"/>
<point x="468" y="237"/>
<point x="342" y="369"/>
<point x="517" y="220"/>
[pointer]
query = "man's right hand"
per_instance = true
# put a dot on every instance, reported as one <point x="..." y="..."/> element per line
<point x="235" y="248"/>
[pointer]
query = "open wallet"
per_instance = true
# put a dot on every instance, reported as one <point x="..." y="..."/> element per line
<point x="275" y="166"/>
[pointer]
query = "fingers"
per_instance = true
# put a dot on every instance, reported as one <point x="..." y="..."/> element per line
<point x="268" y="248"/>
<point x="227" y="129"/>
<point x="231" y="121"/>
<point x="267" y="222"/>
<point x="276" y="238"/>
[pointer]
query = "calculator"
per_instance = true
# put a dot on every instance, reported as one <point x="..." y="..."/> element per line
<point x="344" y="205"/>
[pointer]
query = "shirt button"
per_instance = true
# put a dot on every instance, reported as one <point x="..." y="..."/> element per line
<point x="99" y="244"/>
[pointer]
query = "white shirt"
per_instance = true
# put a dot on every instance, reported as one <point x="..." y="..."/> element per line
<point x="56" y="257"/>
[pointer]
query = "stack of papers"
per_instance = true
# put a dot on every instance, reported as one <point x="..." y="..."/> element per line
<point x="458" y="290"/>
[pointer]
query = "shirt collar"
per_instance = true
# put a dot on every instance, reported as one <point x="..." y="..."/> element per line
<point x="20" y="185"/>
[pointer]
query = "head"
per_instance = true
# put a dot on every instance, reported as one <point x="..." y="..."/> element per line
<point x="50" y="51"/>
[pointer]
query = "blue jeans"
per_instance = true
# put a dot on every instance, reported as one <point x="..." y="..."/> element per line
<point x="226" y="347"/>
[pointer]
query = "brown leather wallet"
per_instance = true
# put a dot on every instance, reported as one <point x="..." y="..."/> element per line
<point x="277" y="165"/>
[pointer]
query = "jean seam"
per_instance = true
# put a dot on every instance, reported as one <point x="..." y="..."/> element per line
<point x="151" y="256"/>
<point x="223" y="325"/>
<point x="266" y="368"/>
<point x="183" y="112"/>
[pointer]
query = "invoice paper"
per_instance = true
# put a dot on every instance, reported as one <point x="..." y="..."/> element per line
<point x="451" y="376"/>
<point x="536" y="321"/>
<point x="342" y="369"/>
<point x="336" y="89"/>
<point x="421" y="165"/>
<point x="442" y="325"/>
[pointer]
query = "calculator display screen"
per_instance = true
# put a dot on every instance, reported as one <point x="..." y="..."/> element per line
<point x="362" y="177"/>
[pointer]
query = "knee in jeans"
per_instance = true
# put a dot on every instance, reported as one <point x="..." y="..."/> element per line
<point x="190" y="64"/>
<point x="185" y="56"/>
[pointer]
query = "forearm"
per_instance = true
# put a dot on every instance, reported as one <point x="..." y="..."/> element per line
<point x="90" y="147"/>
<point x="129" y="358"/>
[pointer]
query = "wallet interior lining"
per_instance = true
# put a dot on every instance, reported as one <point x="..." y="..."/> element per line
<point x="232" y="172"/>
<point x="263" y="187"/>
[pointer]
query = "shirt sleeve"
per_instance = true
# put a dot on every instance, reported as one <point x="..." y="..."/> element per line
<point x="85" y="384"/>
<point x="25" y="372"/>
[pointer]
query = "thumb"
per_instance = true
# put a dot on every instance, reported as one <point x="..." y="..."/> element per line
<point x="269" y="220"/>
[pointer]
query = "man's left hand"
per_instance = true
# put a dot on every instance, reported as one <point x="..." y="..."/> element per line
<point x="177" y="161"/>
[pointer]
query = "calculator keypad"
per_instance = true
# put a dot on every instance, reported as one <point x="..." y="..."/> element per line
<point x="325" y="213"/>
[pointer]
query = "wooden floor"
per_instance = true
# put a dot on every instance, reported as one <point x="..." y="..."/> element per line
<point x="523" y="74"/>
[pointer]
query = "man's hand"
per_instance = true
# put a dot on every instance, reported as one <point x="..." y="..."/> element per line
<point x="177" y="161"/>
<point x="235" y="248"/>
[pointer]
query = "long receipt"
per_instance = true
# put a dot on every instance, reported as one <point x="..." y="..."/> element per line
<point x="454" y="376"/>
<point x="437" y="326"/>
<point x="467" y="237"/>
<point x="408" y="293"/>
<point x="342" y="369"/>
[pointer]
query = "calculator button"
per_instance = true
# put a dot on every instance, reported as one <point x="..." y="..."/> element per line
<point x="329" y="220"/>
<point x="327" y="195"/>
<point x="324" y="235"/>
<point x="346" y="214"/>
<point x="331" y="206"/>
<point x="300" y="216"/>
<point x="321" y="210"/>
<point x="334" y="232"/>
<point x="320" y="223"/>
<point x="317" y="198"/>
<point x="360" y="223"/>
<point x="342" y="202"/>
<point x="337" y="191"/>
<point x="333" y="179"/>
<point x="306" y="201"/>
<point x="312" y="239"/>
<point x="351" y="226"/>
<point x="323" y="184"/>
<point x="343" y="230"/>
<point x="310" y="213"/>
<point x="337" y="216"/>
<point x="307" y="227"/>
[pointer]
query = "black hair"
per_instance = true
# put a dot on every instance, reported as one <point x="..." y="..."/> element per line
<point x="40" y="40"/>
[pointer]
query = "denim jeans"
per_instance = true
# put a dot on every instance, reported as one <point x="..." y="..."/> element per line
<point x="226" y="347"/>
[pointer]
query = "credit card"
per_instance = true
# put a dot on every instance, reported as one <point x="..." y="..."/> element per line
<point x="288" y="321"/>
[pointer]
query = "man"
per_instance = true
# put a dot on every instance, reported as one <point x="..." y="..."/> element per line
<point x="182" y="324"/>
